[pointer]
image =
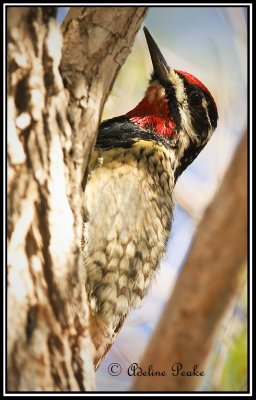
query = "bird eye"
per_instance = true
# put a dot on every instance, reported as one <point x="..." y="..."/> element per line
<point x="195" y="98"/>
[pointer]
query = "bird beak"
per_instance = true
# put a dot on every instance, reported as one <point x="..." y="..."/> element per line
<point x="161" y="68"/>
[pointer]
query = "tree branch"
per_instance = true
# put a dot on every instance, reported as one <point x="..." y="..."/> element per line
<point x="51" y="131"/>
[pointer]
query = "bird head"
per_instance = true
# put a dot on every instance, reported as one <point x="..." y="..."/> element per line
<point x="176" y="106"/>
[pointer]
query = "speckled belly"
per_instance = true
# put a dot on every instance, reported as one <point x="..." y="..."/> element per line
<point x="129" y="205"/>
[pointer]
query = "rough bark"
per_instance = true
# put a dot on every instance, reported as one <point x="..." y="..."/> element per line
<point x="206" y="285"/>
<point x="51" y="130"/>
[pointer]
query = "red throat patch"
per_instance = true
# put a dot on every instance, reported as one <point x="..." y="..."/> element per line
<point x="153" y="112"/>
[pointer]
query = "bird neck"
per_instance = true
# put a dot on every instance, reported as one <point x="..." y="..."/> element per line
<point x="153" y="112"/>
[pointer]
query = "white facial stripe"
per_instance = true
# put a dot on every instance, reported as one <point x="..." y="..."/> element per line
<point x="186" y="123"/>
<point x="182" y="99"/>
<point x="178" y="84"/>
<point x="204" y="104"/>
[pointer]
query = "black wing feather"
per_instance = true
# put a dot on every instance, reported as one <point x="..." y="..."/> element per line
<point x="121" y="132"/>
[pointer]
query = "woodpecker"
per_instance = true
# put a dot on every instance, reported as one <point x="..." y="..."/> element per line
<point x="136" y="162"/>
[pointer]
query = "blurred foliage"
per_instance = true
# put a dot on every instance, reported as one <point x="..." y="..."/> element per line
<point x="227" y="368"/>
<point x="234" y="376"/>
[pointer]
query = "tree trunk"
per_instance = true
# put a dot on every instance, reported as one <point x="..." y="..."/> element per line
<point x="52" y="126"/>
<point x="205" y="287"/>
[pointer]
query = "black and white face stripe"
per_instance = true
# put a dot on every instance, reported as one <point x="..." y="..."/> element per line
<point x="173" y="104"/>
<point x="202" y="110"/>
<point x="190" y="107"/>
<point x="172" y="98"/>
<point x="179" y="107"/>
<point x="195" y="115"/>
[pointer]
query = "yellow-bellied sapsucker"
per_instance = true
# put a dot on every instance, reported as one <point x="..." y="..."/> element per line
<point x="129" y="194"/>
